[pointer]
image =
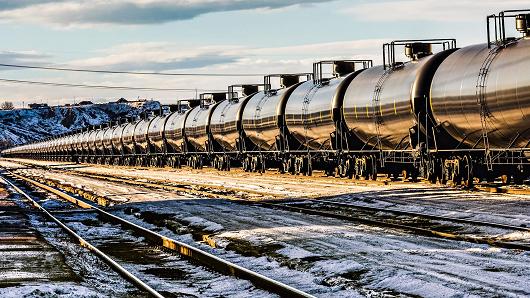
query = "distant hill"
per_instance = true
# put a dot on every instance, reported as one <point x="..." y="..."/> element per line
<point x="26" y="125"/>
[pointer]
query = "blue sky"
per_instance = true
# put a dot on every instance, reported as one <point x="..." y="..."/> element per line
<point x="230" y="36"/>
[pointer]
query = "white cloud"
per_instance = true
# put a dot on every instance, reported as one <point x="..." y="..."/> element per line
<point x="126" y="12"/>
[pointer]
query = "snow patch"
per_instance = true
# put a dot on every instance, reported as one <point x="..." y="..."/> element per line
<point x="203" y="224"/>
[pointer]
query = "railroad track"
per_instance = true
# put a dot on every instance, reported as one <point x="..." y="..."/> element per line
<point x="418" y="223"/>
<point x="487" y="187"/>
<point x="415" y="222"/>
<point x="186" y="251"/>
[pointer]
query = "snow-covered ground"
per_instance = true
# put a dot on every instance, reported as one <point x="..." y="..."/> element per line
<point x="323" y="256"/>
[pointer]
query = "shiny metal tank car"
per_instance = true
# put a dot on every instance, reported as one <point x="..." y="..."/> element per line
<point x="311" y="110"/>
<point x="67" y="145"/>
<point x="88" y="141"/>
<point x="197" y="125"/>
<point x="127" y="138"/>
<point x="52" y="147"/>
<point x="140" y="135"/>
<point x="116" y="137"/>
<point x="80" y="142"/>
<point x="263" y="115"/>
<point x="59" y="145"/>
<point x="225" y="122"/>
<point x="384" y="119"/>
<point x="75" y="143"/>
<point x="98" y="140"/>
<point x="174" y="130"/>
<point x="107" y="140"/>
<point x="155" y="133"/>
<point x="455" y="103"/>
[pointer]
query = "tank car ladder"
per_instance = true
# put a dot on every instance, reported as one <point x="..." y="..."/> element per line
<point x="377" y="112"/>
<point x="305" y="109"/>
<point x="481" y="101"/>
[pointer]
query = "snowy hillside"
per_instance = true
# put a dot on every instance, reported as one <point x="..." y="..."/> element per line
<point x="25" y="125"/>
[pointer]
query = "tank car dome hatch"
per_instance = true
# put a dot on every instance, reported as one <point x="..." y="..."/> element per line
<point x="313" y="109"/>
<point x="522" y="24"/>
<point x="287" y="81"/>
<point x="342" y="68"/>
<point x="417" y="50"/>
<point x="383" y="103"/>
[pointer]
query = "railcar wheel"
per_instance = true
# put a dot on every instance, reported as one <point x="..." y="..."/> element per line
<point x="349" y="166"/>
<point x="284" y="168"/>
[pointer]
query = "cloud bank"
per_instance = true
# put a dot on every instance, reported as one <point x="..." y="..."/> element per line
<point x="128" y="12"/>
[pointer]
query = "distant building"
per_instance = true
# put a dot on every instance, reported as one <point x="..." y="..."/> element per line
<point x="85" y="103"/>
<point x="38" y="106"/>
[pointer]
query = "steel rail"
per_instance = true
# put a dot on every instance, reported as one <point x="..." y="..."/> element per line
<point x="83" y="243"/>
<point x="193" y="253"/>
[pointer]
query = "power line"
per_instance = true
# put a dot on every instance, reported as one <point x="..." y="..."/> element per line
<point x="133" y="72"/>
<point x="105" y="86"/>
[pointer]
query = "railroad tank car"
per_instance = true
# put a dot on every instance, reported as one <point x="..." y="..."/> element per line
<point x="264" y="115"/>
<point x="225" y="120"/>
<point x="87" y="139"/>
<point x="98" y="141"/>
<point x="68" y="145"/>
<point x="140" y="136"/>
<point x="106" y="143"/>
<point x="481" y="91"/>
<point x="174" y="128"/>
<point x="116" y="138"/>
<point x="79" y="142"/>
<point x="382" y="104"/>
<point x="313" y="108"/>
<point x="196" y="127"/>
<point x="155" y="133"/>
<point x="59" y="146"/>
<point x="128" y="138"/>
<point x="108" y="149"/>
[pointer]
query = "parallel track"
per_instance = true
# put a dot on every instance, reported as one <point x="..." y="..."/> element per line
<point x="417" y="230"/>
<point x="314" y="211"/>
<point x="326" y="181"/>
<point x="204" y="258"/>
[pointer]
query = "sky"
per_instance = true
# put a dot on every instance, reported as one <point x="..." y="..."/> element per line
<point x="254" y="37"/>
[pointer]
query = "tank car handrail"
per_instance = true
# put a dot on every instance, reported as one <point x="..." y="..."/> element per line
<point x="389" y="48"/>
<point x="267" y="79"/>
<point x="500" y="26"/>
<point x="318" y="78"/>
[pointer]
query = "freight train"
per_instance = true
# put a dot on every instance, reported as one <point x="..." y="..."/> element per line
<point x="456" y="114"/>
